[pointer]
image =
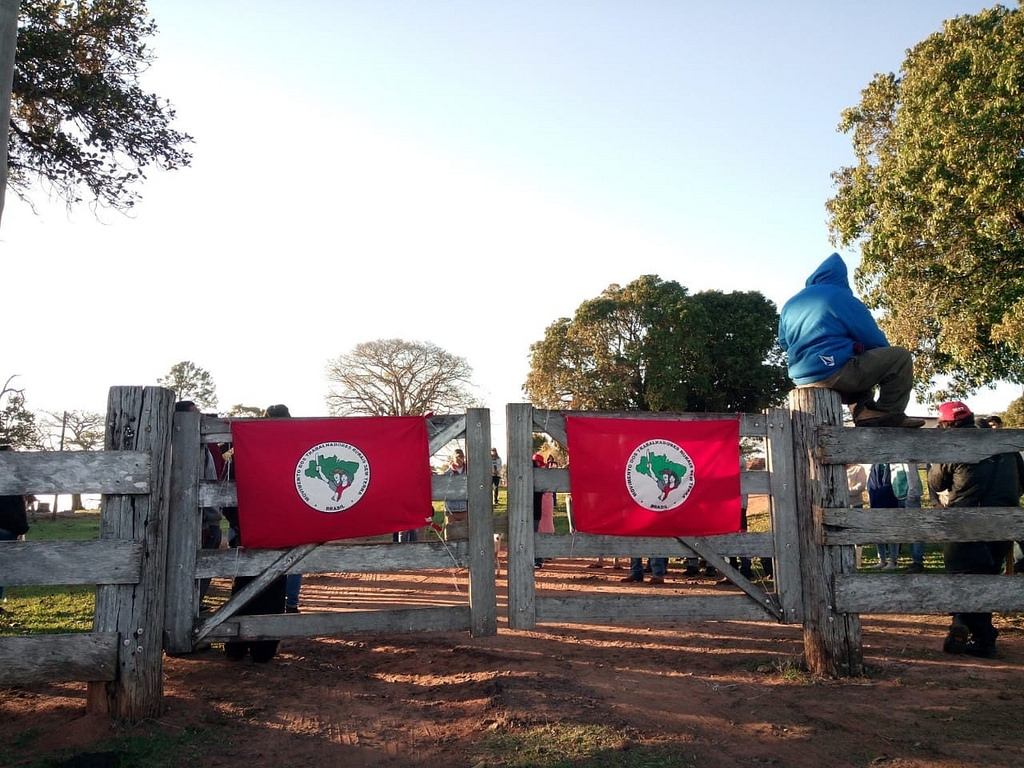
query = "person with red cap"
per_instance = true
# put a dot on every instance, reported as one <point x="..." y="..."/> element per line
<point x="832" y="341"/>
<point x="997" y="481"/>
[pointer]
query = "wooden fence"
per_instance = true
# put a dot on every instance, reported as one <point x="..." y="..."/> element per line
<point x="147" y="562"/>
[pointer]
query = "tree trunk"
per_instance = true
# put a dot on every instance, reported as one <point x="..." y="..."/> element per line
<point x="8" y="43"/>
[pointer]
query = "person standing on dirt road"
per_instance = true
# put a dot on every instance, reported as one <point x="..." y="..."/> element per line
<point x="997" y="481"/>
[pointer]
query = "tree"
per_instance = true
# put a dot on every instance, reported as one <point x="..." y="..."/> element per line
<point x="240" y="411"/>
<point x="652" y="347"/>
<point x="1013" y="416"/>
<point x="936" y="202"/>
<point x="80" y="122"/>
<point x="394" y="377"/>
<point x="190" y="382"/>
<point x="75" y="430"/>
<point x="8" y="44"/>
<point x="18" y="427"/>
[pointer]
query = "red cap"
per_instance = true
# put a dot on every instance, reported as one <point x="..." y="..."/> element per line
<point x="954" y="411"/>
<point x="539" y="461"/>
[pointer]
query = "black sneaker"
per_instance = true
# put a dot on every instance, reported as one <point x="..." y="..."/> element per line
<point x="691" y="570"/>
<point x="956" y="640"/>
<point x="710" y="570"/>
<point x="981" y="650"/>
<point x="915" y="568"/>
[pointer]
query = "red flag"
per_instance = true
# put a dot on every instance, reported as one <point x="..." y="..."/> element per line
<point x="631" y="477"/>
<point x="302" y="481"/>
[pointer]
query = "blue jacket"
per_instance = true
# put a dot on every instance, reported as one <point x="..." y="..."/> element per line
<point x="825" y="325"/>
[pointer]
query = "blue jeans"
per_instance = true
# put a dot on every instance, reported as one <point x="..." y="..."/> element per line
<point x="292" y="585"/>
<point x="6" y="535"/>
<point x="888" y="553"/>
<point x="659" y="565"/>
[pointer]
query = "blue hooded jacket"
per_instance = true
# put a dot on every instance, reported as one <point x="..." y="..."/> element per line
<point x="825" y="325"/>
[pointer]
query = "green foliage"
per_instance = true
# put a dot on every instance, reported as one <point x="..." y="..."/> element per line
<point x="1013" y="417"/>
<point x="190" y="382"/>
<point x="395" y="377"/>
<point x="80" y="122"/>
<point x="18" y="427"/>
<point x="936" y="202"/>
<point x="650" y="346"/>
<point x="245" y="412"/>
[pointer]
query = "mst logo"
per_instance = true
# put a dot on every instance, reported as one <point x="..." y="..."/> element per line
<point x="659" y="475"/>
<point x="332" y="477"/>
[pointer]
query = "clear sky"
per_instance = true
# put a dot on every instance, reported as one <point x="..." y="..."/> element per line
<point x="463" y="173"/>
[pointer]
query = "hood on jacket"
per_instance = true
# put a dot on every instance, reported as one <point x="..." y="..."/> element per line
<point x="832" y="271"/>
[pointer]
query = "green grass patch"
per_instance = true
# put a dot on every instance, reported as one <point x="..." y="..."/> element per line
<point x="37" y="610"/>
<point x="143" y="746"/>
<point x="578" y="746"/>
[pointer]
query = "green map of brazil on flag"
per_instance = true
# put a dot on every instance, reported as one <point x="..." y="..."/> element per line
<point x="305" y="481"/>
<point x="648" y="477"/>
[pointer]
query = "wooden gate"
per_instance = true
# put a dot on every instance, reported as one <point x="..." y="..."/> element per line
<point x="187" y="565"/>
<point x="526" y="609"/>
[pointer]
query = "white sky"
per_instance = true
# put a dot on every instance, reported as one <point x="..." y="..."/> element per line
<point x="463" y="173"/>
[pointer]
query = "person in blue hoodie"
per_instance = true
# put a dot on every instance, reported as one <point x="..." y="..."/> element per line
<point x="832" y="341"/>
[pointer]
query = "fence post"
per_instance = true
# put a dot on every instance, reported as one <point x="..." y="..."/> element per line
<point x="138" y="419"/>
<point x="184" y="526"/>
<point x="522" y="590"/>
<point x="483" y="601"/>
<point x="832" y="640"/>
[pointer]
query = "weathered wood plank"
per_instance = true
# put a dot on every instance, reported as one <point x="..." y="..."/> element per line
<point x="42" y="472"/>
<point x="442" y="430"/>
<point x="782" y="509"/>
<point x="184" y="533"/>
<point x="751" y="424"/>
<point x="845" y="445"/>
<point x="521" y="587"/>
<point x="138" y="418"/>
<point x="627" y="609"/>
<point x="906" y="593"/>
<point x="400" y="620"/>
<point x="832" y="643"/>
<point x="281" y="566"/>
<point x="936" y="525"/>
<point x="483" y="602"/>
<point x="561" y="545"/>
<point x="70" y="562"/>
<point x="337" y="558"/>
<point x="34" y="659"/>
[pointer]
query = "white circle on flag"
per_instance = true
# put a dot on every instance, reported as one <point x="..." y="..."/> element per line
<point x="659" y="475"/>
<point x="332" y="477"/>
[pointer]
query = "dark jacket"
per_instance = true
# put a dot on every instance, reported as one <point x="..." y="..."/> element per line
<point x="13" y="516"/>
<point x="997" y="481"/>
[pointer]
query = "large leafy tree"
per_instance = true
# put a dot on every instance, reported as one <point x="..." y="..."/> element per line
<point x="18" y="427"/>
<point x="80" y="121"/>
<point x="190" y="382"/>
<point x="651" y="346"/>
<point x="395" y="377"/>
<point x="936" y="202"/>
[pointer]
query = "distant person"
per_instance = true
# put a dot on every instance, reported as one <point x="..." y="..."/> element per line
<point x="13" y="519"/>
<point x="906" y="485"/>
<point x="832" y="341"/>
<point x="997" y="481"/>
<point x="495" y="472"/>
<point x="882" y="496"/>
<point x="995" y="422"/>
<point x="456" y="510"/>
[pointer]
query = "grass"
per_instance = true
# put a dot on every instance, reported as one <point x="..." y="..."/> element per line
<point x="59" y="609"/>
<point x="142" y="746"/>
<point x="569" y="745"/>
